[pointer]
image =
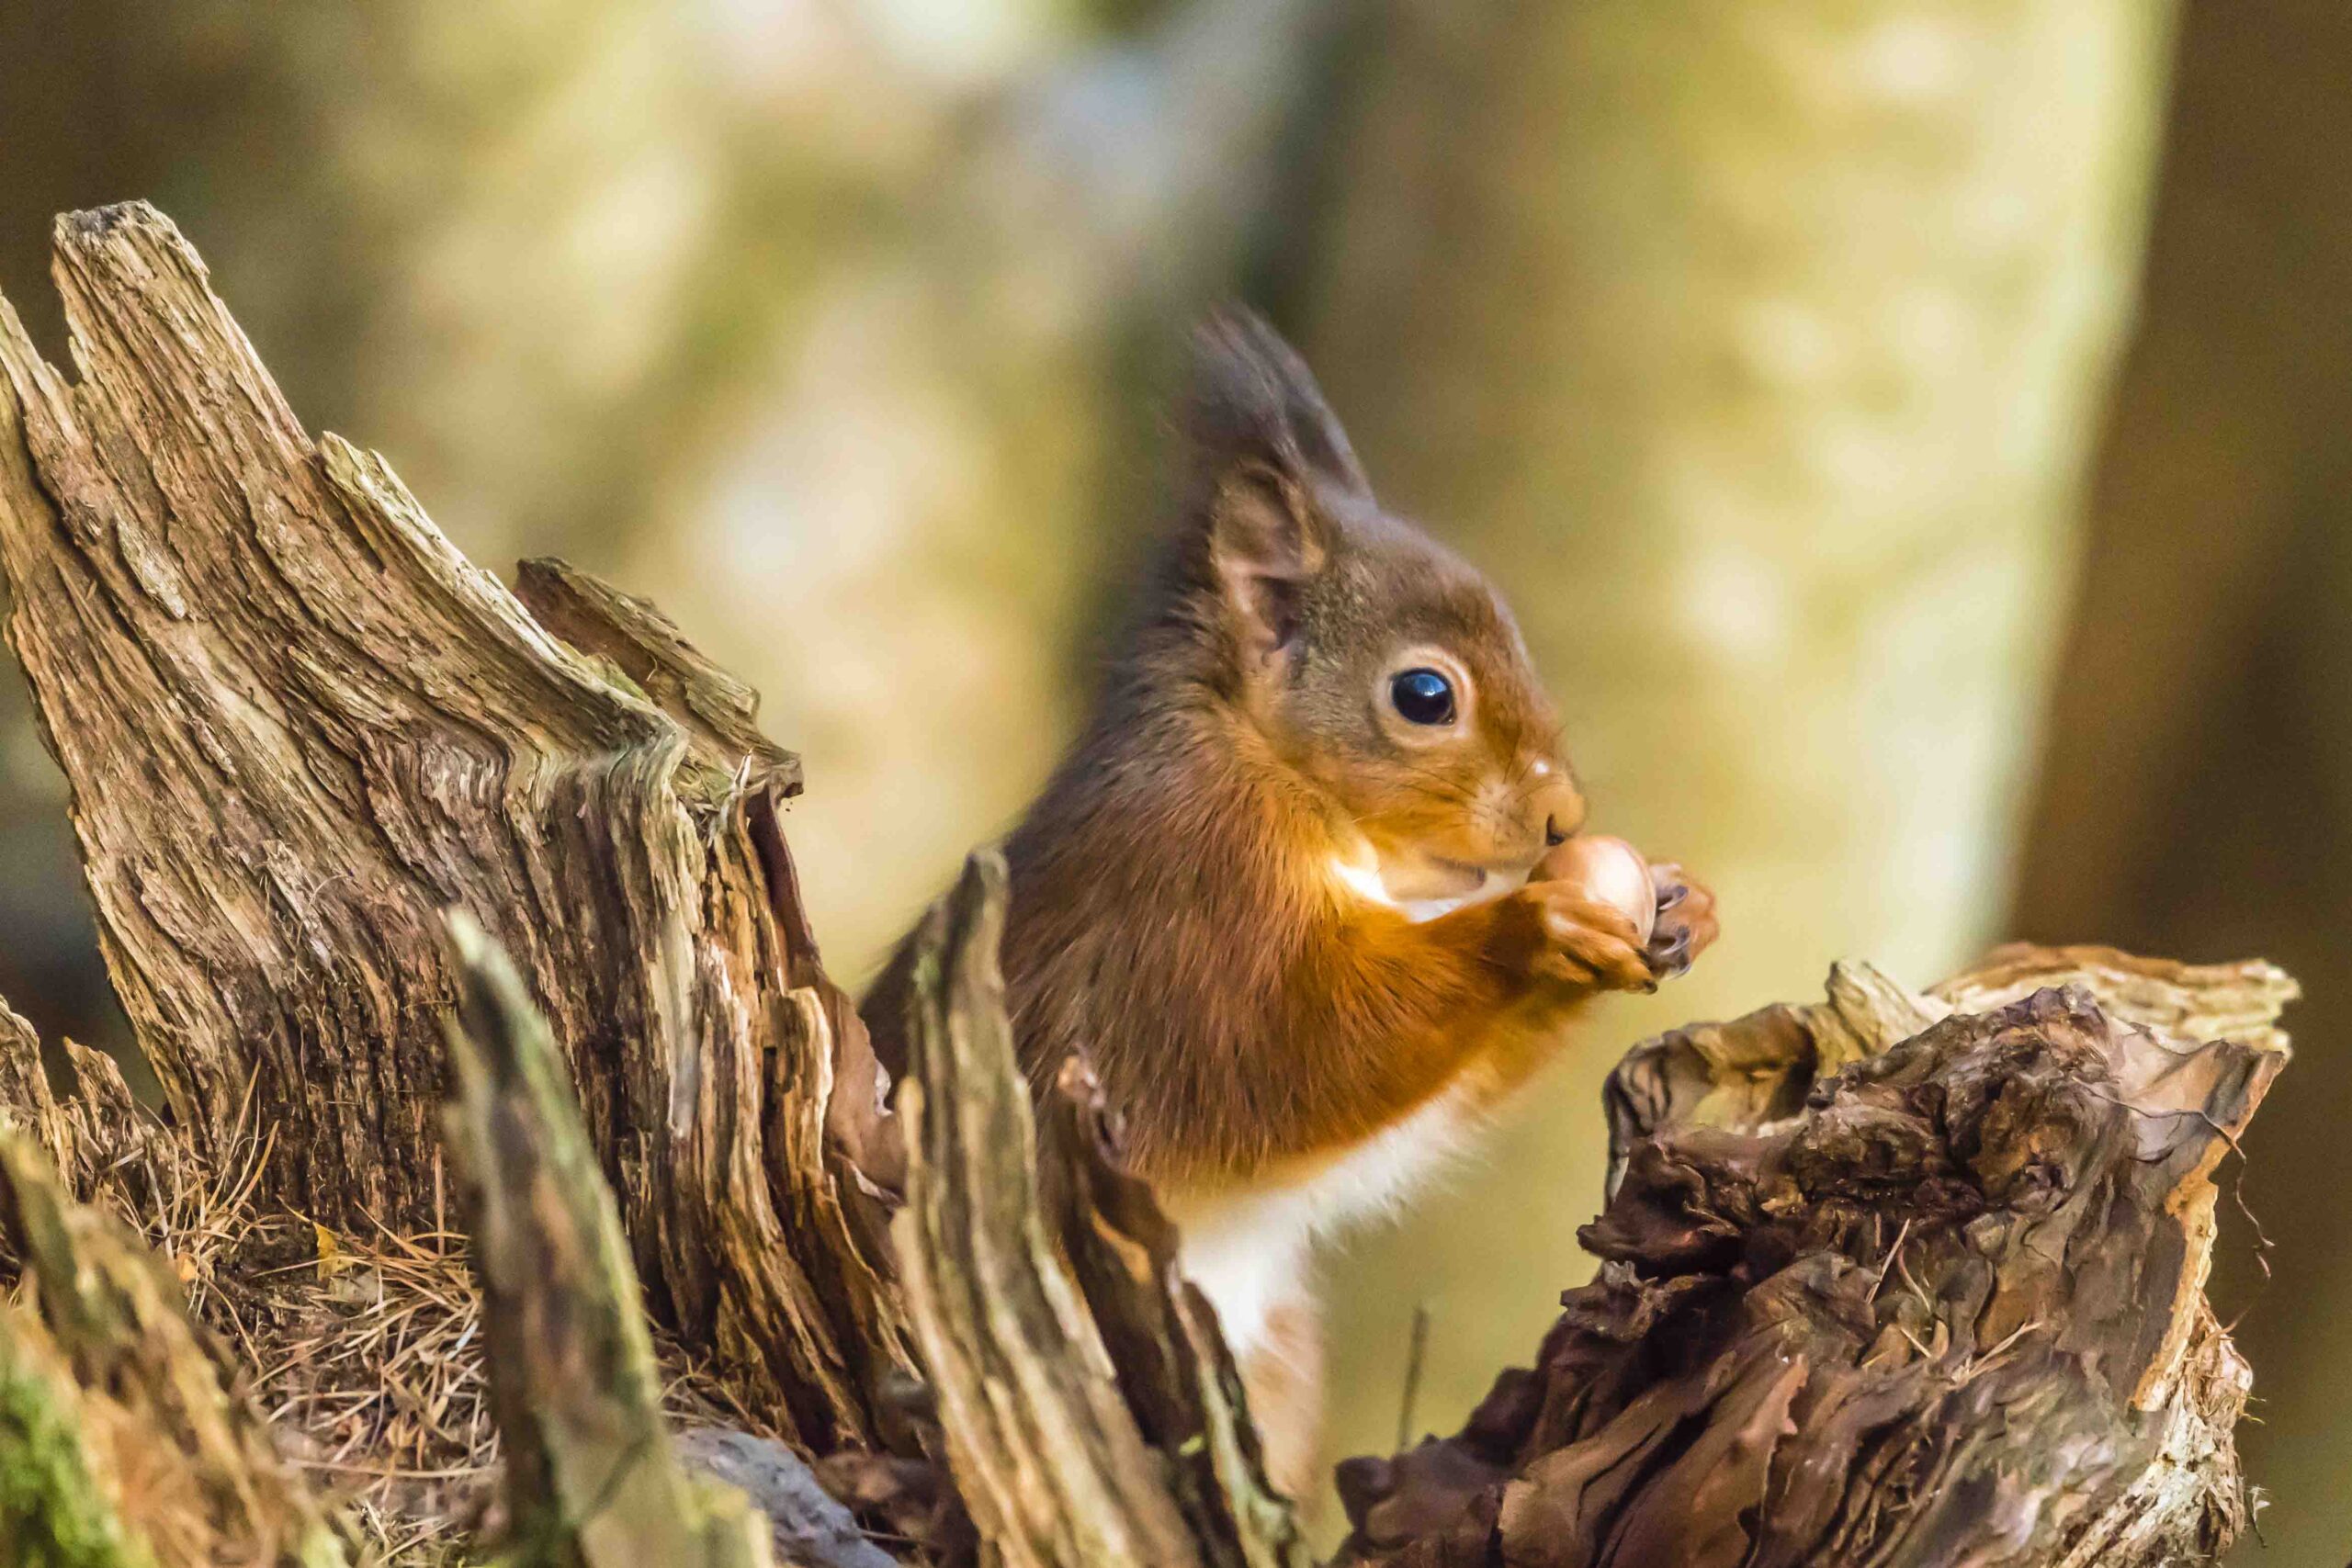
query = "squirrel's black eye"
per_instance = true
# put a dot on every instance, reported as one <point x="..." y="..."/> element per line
<point x="1422" y="696"/>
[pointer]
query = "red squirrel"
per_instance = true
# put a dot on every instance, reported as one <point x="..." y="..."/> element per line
<point x="1278" y="889"/>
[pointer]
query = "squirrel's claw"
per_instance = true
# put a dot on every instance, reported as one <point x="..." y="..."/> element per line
<point x="1669" y="953"/>
<point x="1685" y="924"/>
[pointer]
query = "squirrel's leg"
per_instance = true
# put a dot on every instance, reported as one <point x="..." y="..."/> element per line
<point x="1283" y="1375"/>
<point x="1525" y="1037"/>
<point x="1248" y="1252"/>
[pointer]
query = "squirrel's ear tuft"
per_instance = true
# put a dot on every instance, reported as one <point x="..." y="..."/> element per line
<point x="1253" y="398"/>
<point x="1263" y="442"/>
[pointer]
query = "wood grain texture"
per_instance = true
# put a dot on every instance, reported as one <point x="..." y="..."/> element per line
<point x="1888" y="1279"/>
<point x="1047" y="1456"/>
<point x="298" y="725"/>
<point x="592" y="1478"/>
<point x="1180" y="1382"/>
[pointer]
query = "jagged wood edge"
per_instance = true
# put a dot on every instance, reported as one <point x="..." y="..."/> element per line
<point x="1044" y="1449"/>
<point x="1179" y="1379"/>
<point x="297" y="724"/>
<point x="1749" y="1078"/>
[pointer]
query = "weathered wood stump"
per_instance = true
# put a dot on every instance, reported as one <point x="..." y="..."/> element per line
<point x="1896" y="1278"/>
<point x="298" y="725"/>
<point x="1893" y="1279"/>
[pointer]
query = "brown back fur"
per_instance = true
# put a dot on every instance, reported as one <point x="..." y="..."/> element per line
<point x="1175" y="912"/>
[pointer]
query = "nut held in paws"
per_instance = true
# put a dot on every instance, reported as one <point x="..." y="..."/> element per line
<point x="1609" y="871"/>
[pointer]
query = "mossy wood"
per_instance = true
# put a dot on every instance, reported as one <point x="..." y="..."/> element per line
<point x="1896" y="1278"/>
<point x="125" y="1439"/>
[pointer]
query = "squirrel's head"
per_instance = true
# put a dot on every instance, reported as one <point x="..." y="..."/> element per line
<point x="1380" y="666"/>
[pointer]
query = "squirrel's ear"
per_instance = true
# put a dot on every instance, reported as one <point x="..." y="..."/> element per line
<point x="1265" y="540"/>
<point x="1264" y="446"/>
<point x="1252" y="397"/>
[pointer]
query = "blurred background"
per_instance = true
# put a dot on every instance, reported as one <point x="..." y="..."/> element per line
<point x="1911" y="432"/>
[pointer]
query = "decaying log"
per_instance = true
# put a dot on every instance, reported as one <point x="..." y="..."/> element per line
<point x="1893" y="1279"/>
<point x="298" y="724"/>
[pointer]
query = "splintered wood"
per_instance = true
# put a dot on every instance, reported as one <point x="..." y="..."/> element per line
<point x="1090" y="1417"/>
<point x="1893" y="1279"/>
<point x="298" y="725"/>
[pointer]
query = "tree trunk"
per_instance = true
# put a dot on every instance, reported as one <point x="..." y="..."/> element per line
<point x="2199" y="803"/>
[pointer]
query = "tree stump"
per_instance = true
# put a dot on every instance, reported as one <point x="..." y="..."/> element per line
<point x="298" y="725"/>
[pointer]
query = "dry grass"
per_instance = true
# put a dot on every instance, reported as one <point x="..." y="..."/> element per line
<point x="368" y="1364"/>
<point x="363" y="1351"/>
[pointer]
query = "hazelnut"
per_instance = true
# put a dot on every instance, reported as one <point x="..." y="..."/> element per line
<point x="1607" y="870"/>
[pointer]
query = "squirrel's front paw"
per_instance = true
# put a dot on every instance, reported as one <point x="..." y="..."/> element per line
<point x="1686" y="921"/>
<point x="1572" y="940"/>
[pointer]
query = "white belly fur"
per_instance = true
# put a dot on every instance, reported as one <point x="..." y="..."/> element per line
<point x="1248" y="1248"/>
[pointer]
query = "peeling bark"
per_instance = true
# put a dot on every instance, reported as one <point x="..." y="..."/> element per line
<point x="298" y="725"/>
<point x="1891" y="1278"/>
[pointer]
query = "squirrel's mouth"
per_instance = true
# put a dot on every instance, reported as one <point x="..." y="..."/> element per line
<point x="1431" y="880"/>
<point x="1467" y="878"/>
<point x="1422" y="884"/>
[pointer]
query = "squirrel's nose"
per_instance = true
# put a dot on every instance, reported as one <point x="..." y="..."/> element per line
<point x="1560" y="802"/>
